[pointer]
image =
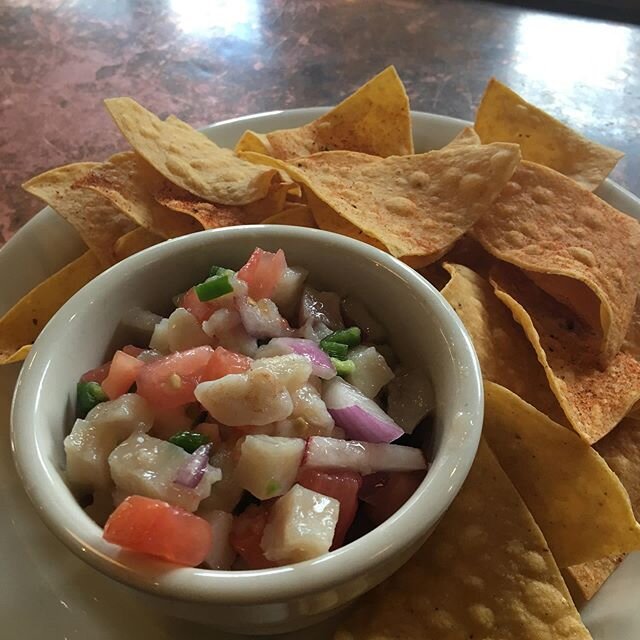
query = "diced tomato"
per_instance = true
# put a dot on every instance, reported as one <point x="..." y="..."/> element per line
<point x="130" y="350"/>
<point x="98" y="374"/>
<point x="159" y="529"/>
<point x="343" y="485"/>
<point x="223" y="362"/>
<point x="246" y="534"/>
<point x="385" y="492"/>
<point x="201" y="310"/>
<point x="122" y="374"/>
<point x="170" y="381"/>
<point x="263" y="272"/>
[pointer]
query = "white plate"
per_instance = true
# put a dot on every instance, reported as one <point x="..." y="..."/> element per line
<point x="48" y="592"/>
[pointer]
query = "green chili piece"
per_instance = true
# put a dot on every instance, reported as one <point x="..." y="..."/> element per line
<point x="344" y="367"/>
<point x="88" y="395"/>
<point x="351" y="337"/>
<point x="213" y="288"/>
<point x="189" y="440"/>
<point x="335" y="349"/>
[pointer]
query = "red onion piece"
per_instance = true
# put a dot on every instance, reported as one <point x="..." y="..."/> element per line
<point x="360" y="417"/>
<point x="321" y="364"/>
<point x="191" y="472"/>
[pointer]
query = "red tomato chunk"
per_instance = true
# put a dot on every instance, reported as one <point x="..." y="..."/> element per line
<point x="98" y="374"/>
<point x="224" y="362"/>
<point x="263" y="272"/>
<point x="159" y="529"/>
<point x="343" y="485"/>
<point x="200" y="310"/>
<point x="246" y="535"/>
<point x="122" y="374"/>
<point x="170" y="381"/>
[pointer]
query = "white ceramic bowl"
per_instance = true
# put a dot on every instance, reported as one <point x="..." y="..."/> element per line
<point x="424" y="330"/>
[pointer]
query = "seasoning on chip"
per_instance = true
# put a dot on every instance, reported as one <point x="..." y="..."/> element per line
<point x="503" y="116"/>
<point x="418" y="205"/>
<point x="486" y="572"/>
<point x="127" y="181"/>
<point x="20" y="326"/>
<point x="376" y="120"/>
<point x="584" y="580"/>
<point x="543" y="222"/>
<point x="187" y="157"/>
<point x="579" y="504"/>
<point x="594" y="400"/>
<point x="97" y="221"/>
<point x="505" y="354"/>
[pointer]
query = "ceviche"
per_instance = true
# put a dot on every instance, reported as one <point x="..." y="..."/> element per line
<point x="262" y="423"/>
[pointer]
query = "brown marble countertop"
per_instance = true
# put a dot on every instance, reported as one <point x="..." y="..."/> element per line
<point x="208" y="61"/>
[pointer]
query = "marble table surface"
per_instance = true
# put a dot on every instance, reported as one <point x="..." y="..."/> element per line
<point x="208" y="61"/>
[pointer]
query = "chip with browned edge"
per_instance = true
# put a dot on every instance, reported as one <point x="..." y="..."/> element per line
<point x="579" y="504"/>
<point x="486" y="572"/>
<point x="594" y="400"/>
<point x="97" y="221"/>
<point x="20" y="326"/>
<point x="128" y="182"/>
<point x="375" y="120"/>
<point x="418" y="205"/>
<point x="503" y="116"/>
<point x="545" y="223"/>
<point x="187" y="157"/>
<point x="506" y="355"/>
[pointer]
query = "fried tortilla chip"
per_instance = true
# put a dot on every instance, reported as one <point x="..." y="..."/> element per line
<point x="544" y="223"/>
<point x="298" y="215"/>
<point x="503" y="116"/>
<point x="97" y="221"/>
<point x="467" y="137"/>
<point x="631" y="344"/>
<point x="187" y="157"/>
<point x="128" y="182"/>
<point x="506" y="355"/>
<point x="375" y="120"/>
<point x="134" y="241"/>
<point x="20" y="326"/>
<point x="486" y="572"/>
<point x="621" y="451"/>
<point x="593" y="400"/>
<point x="417" y="206"/>
<point x="579" y="504"/>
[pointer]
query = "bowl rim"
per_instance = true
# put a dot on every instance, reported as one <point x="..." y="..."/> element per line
<point x="435" y="494"/>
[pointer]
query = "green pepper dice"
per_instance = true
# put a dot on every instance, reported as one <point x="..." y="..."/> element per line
<point x="189" y="440"/>
<point x="213" y="288"/>
<point x="88" y="395"/>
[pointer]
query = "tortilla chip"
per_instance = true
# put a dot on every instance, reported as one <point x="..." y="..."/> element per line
<point x="505" y="354"/>
<point x="503" y="116"/>
<point x="96" y="220"/>
<point x="585" y="580"/>
<point x="134" y="241"/>
<point x="631" y="344"/>
<point x="467" y="137"/>
<point x="21" y="325"/>
<point x="417" y="206"/>
<point x="486" y="572"/>
<point x="579" y="504"/>
<point x="251" y="141"/>
<point x="297" y="215"/>
<point x="593" y="400"/>
<point x="543" y="222"/>
<point x="376" y="119"/>
<point x="128" y="181"/>
<point x="188" y="158"/>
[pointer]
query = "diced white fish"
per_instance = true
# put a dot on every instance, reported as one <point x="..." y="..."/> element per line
<point x="91" y="440"/>
<point x="320" y="307"/>
<point x="148" y="466"/>
<point x="226" y="326"/>
<point x="289" y="291"/>
<point x="160" y="338"/>
<point x="256" y="397"/>
<point x="371" y="372"/>
<point x="411" y="398"/>
<point x="262" y="319"/>
<point x="185" y="332"/>
<point x="301" y="525"/>
<point x="313" y="330"/>
<point x="363" y="457"/>
<point x="141" y="323"/>
<point x="268" y="466"/>
<point x="221" y="555"/>
<point x="291" y="370"/>
<point x="308" y="405"/>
